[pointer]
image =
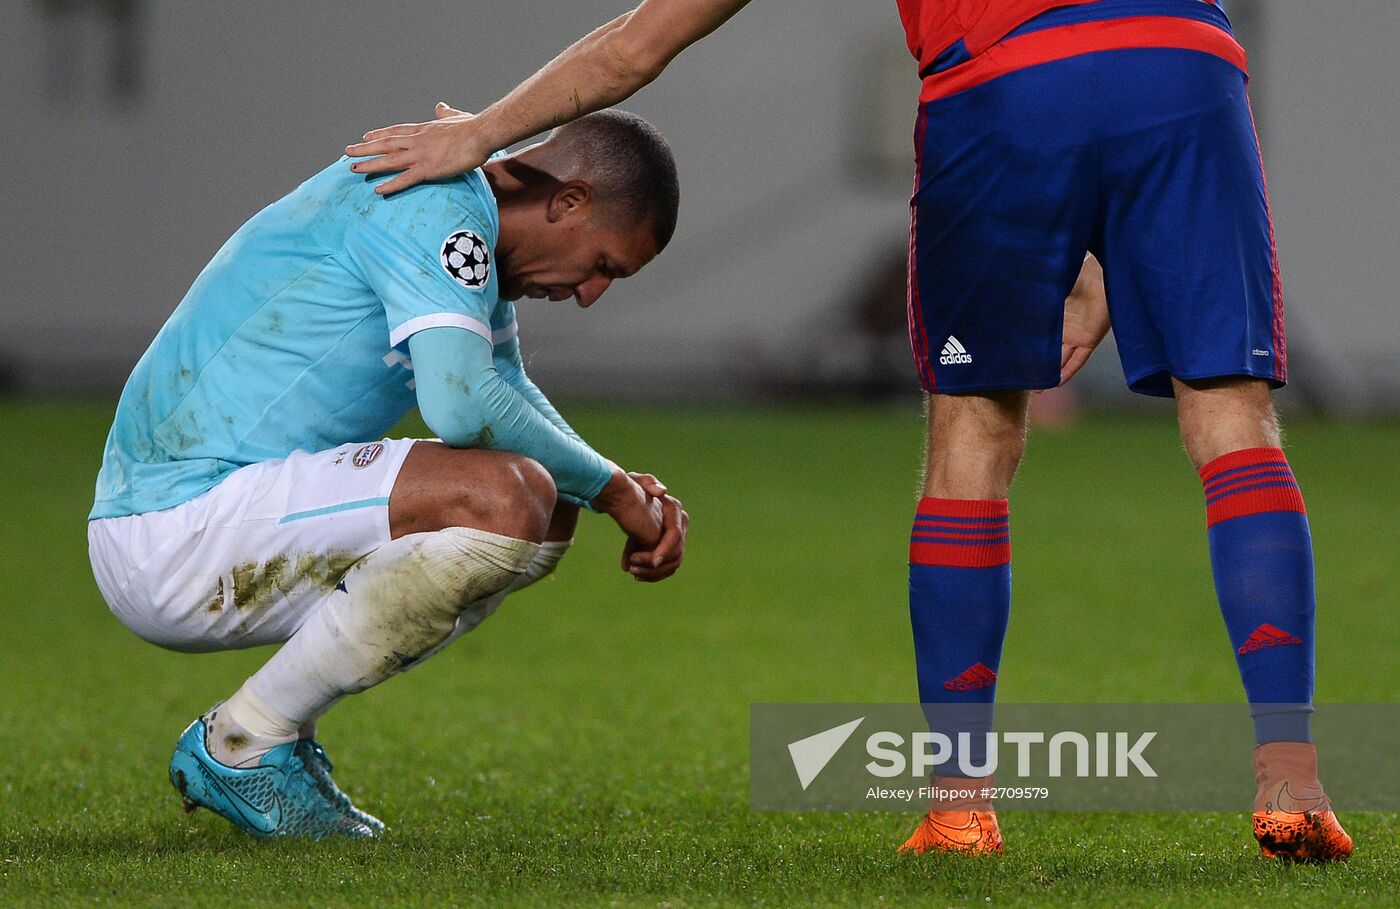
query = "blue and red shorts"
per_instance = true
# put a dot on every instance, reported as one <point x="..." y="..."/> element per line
<point x="1121" y="128"/>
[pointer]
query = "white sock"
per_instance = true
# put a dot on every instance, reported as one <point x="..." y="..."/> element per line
<point x="401" y="601"/>
<point x="242" y="729"/>
<point x="544" y="562"/>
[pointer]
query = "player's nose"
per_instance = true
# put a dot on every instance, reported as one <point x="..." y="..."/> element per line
<point x="589" y="291"/>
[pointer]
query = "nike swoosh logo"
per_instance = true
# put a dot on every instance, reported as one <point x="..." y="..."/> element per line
<point x="1287" y="802"/>
<point x="972" y="824"/>
<point x="265" y="818"/>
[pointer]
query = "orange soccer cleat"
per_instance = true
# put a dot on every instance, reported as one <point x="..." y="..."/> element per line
<point x="973" y="832"/>
<point x="1293" y="818"/>
<point x="960" y="819"/>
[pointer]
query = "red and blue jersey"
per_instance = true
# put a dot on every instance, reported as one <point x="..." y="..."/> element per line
<point x="941" y="30"/>
<point x="962" y="43"/>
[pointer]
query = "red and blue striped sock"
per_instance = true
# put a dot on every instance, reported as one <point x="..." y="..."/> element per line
<point x="959" y="605"/>
<point x="1261" y="556"/>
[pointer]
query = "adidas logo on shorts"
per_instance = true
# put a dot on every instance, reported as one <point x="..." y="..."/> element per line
<point x="954" y="353"/>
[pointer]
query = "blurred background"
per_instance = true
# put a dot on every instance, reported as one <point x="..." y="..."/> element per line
<point x="142" y="133"/>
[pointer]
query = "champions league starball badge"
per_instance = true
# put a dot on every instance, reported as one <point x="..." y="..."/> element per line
<point x="467" y="259"/>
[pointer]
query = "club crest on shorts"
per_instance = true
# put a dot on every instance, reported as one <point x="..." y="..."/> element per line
<point x="467" y="259"/>
<point x="366" y="455"/>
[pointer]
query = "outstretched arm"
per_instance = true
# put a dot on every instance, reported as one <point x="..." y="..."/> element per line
<point x="604" y="67"/>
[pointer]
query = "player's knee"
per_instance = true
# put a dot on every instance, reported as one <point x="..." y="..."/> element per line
<point x="497" y="491"/>
<point x="1219" y="416"/>
<point x="453" y="568"/>
<point x="520" y="497"/>
<point x="975" y="444"/>
<point x="535" y="493"/>
<point x="537" y="484"/>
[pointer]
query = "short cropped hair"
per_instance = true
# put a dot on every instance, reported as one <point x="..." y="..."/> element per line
<point x="629" y="165"/>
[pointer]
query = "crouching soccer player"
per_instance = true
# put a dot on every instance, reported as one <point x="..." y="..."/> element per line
<point x="246" y="497"/>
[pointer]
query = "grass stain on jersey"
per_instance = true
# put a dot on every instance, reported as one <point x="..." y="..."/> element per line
<point x="484" y="438"/>
<point x="458" y="382"/>
<point x="181" y="432"/>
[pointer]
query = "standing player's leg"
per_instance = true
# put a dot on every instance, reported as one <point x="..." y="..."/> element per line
<point x="960" y="598"/>
<point x="1002" y="213"/>
<point x="1197" y="307"/>
<point x="1260" y="547"/>
<point x="1261" y="557"/>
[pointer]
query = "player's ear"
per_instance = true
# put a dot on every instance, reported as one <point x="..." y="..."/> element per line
<point x="572" y="199"/>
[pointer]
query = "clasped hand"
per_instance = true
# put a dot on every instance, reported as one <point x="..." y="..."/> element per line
<point x="654" y="520"/>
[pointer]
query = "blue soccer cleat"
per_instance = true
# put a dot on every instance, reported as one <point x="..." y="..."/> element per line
<point x="289" y="792"/>
<point x="319" y="766"/>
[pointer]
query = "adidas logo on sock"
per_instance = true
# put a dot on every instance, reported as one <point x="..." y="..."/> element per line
<point x="975" y="677"/>
<point x="1267" y="635"/>
<point x="954" y="353"/>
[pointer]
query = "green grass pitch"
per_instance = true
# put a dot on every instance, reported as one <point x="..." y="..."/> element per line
<point x="587" y="745"/>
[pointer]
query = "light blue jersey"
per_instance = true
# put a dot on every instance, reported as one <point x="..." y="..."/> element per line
<point x="294" y="336"/>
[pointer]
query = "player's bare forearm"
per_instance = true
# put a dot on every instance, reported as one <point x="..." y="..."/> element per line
<point x="601" y="69"/>
<point x="605" y="67"/>
<point x="655" y="523"/>
<point x="638" y="514"/>
<point x="590" y="75"/>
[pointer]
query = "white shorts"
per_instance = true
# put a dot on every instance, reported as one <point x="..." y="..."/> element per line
<point x="246" y="562"/>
